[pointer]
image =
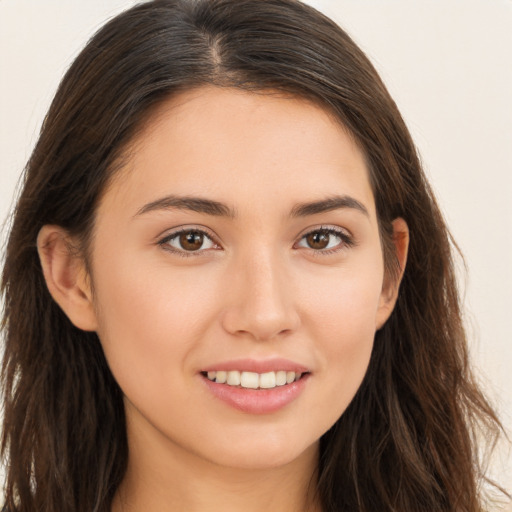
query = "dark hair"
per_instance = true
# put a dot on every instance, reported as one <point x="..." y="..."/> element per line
<point x="407" y="442"/>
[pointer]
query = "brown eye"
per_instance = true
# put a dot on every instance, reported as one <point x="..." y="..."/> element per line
<point x="191" y="240"/>
<point x="326" y="240"/>
<point x="318" y="239"/>
<point x="188" y="241"/>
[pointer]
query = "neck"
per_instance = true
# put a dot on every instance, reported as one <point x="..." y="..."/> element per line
<point x="163" y="477"/>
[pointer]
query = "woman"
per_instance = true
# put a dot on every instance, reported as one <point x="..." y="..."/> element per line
<point x="228" y="283"/>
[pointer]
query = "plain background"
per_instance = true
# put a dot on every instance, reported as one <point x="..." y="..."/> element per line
<point x="448" y="65"/>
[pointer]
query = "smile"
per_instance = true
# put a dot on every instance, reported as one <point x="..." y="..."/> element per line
<point x="257" y="387"/>
<point x="253" y="380"/>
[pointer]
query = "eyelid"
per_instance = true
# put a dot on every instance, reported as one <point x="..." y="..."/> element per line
<point x="347" y="239"/>
<point x="174" y="232"/>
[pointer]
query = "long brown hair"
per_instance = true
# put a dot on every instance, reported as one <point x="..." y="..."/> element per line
<point x="407" y="442"/>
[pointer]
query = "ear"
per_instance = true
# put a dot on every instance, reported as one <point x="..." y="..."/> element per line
<point x="391" y="284"/>
<point x="66" y="276"/>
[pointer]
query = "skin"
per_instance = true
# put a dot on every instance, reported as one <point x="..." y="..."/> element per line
<point x="255" y="289"/>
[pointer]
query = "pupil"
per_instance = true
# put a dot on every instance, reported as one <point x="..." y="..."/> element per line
<point x="318" y="240"/>
<point x="191" y="241"/>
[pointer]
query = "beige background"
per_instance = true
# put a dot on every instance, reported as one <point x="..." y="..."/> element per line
<point x="447" y="63"/>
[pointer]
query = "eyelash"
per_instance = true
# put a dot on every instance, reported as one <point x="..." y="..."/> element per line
<point x="164" y="242"/>
<point x="347" y="241"/>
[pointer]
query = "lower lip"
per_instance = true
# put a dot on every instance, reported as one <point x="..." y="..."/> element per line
<point x="257" y="401"/>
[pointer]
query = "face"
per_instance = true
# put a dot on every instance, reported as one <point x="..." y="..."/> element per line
<point x="240" y="242"/>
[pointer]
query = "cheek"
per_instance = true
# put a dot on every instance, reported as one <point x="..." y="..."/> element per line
<point x="152" y="323"/>
<point x="149" y="321"/>
<point x="344" y="303"/>
<point x="343" y="320"/>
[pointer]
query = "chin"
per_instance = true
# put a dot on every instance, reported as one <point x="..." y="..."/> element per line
<point x="264" y="453"/>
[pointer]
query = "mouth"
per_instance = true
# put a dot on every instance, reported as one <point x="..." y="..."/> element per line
<point x="253" y="380"/>
<point x="257" y="386"/>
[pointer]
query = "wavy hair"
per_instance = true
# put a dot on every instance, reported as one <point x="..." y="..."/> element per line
<point x="407" y="442"/>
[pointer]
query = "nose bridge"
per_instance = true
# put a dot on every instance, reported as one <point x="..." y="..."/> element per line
<point x="261" y="302"/>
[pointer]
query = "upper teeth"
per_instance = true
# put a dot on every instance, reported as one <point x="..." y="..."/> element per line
<point x="254" y="380"/>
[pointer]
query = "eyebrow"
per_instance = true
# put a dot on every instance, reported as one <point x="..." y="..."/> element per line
<point x="215" y="208"/>
<point x="194" y="204"/>
<point x="327" y="205"/>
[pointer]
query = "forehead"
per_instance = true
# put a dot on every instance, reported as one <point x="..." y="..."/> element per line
<point x="238" y="146"/>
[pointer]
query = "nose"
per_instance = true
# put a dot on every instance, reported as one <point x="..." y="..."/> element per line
<point x="260" y="299"/>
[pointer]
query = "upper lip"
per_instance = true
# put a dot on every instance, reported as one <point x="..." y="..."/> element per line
<point x="257" y="366"/>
